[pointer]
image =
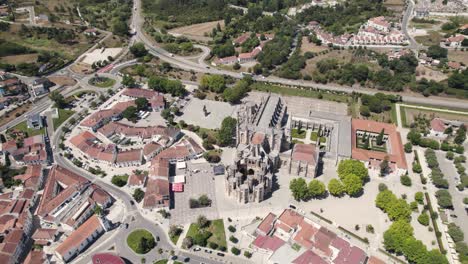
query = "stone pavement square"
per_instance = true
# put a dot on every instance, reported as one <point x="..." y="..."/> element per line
<point x="197" y="184"/>
<point x="193" y="113"/>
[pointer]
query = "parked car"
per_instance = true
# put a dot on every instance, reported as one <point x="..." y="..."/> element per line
<point x="220" y="254"/>
<point x="197" y="249"/>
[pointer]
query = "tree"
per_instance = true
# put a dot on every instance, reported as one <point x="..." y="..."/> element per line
<point x="380" y="138"/>
<point x="138" y="195"/>
<point x="352" y="184"/>
<point x="58" y="99"/>
<point x="299" y="189"/>
<point x="130" y="113"/>
<point x="435" y="257"/>
<point x="437" y="52"/>
<point x="399" y="209"/>
<point x="141" y="103"/>
<point x="227" y="130"/>
<point x="204" y="201"/>
<point x="187" y="242"/>
<point x="384" y="199"/>
<point x="174" y="231"/>
<point x="382" y="187"/>
<point x="408" y="147"/>
<point x="214" y="83"/>
<point x="316" y="188"/>
<point x="138" y="50"/>
<point x="355" y="167"/>
<point x="202" y="221"/>
<point x="414" y="250"/>
<point x="414" y="137"/>
<point x="461" y="135"/>
<point x="396" y="235"/>
<point x="128" y="81"/>
<point x="335" y="187"/>
<point x="384" y="167"/>
<point x="235" y="251"/>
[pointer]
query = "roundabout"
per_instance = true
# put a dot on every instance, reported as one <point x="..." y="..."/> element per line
<point x="101" y="81"/>
<point x="141" y="241"/>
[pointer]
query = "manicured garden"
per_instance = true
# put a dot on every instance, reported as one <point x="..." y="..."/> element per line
<point x="141" y="241"/>
<point x="209" y="232"/>
<point x="64" y="114"/>
<point x="101" y="82"/>
<point x="298" y="133"/>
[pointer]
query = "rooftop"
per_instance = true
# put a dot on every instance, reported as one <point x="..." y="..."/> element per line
<point x="81" y="234"/>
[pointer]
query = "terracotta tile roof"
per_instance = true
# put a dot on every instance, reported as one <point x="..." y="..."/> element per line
<point x="7" y="222"/>
<point x="375" y="260"/>
<point x="290" y="219"/>
<point x="78" y="236"/>
<point x="305" y="235"/>
<point x="438" y="125"/>
<point x="309" y="257"/>
<point x="242" y="38"/>
<point x="397" y="156"/>
<point x="157" y="102"/>
<point x="59" y="178"/>
<point x="157" y="193"/>
<point x="142" y="132"/>
<point x="35" y="257"/>
<point x="128" y="156"/>
<point x="136" y="179"/>
<point x="107" y="258"/>
<point x="31" y="171"/>
<point x="38" y="139"/>
<point x="139" y="93"/>
<point x="99" y="195"/>
<point x="100" y="115"/>
<point x="10" y="145"/>
<point x="258" y="138"/>
<point x="159" y="168"/>
<point x="271" y="243"/>
<point x="267" y="224"/>
<point x="44" y="234"/>
<point x="151" y="148"/>
<point x="305" y="153"/>
<point x="14" y="236"/>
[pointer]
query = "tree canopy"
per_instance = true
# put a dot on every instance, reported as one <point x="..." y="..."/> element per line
<point x="347" y="167"/>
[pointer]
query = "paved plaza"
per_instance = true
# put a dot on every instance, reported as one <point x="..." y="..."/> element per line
<point x="193" y="113"/>
<point x="197" y="184"/>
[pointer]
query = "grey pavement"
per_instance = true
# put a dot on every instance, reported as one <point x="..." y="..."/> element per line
<point x="447" y="167"/>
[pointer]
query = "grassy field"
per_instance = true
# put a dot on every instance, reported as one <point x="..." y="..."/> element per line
<point x="216" y="227"/>
<point x="198" y="32"/>
<point x="433" y="38"/>
<point x="458" y="55"/>
<point x="134" y="238"/>
<point x="23" y="126"/>
<point x="304" y="92"/>
<point x="408" y="115"/>
<point x="63" y="116"/>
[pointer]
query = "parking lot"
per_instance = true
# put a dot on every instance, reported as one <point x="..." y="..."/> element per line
<point x="199" y="183"/>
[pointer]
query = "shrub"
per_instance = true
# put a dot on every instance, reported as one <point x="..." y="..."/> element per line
<point x="419" y="197"/>
<point x="408" y="147"/>
<point x="233" y="239"/>
<point x="414" y="206"/>
<point x="382" y="187"/>
<point x="235" y="251"/>
<point x="449" y="155"/>
<point x="247" y="254"/>
<point x="417" y="167"/>
<point x="405" y="180"/>
<point x="455" y="232"/>
<point x="213" y="245"/>
<point x="231" y="229"/>
<point x="444" y="199"/>
<point x="423" y="219"/>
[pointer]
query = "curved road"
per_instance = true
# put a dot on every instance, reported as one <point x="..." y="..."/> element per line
<point x="183" y="63"/>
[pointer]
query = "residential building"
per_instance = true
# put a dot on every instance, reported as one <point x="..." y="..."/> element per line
<point x="79" y="239"/>
<point x="35" y="121"/>
<point x="41" y="86"/>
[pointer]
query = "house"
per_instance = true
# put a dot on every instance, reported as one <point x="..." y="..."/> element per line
<point x="36" y="257"/>
<point x="91" y="32"/>
<point x="454" y="65"/>
<point x="379" y="23"/>
<point x="107" y="258"/>
<point x="41" y="86"/>
<point x="137" y="179"/>
<point x="79" y="239"/>
<point x="304" y="160"/>
<point x="454" y="41"/>
<point x="127" y="158"/>
<point x="35" y="121"/>
<point x="225" y="61"/>
<point x="44" y="236"/>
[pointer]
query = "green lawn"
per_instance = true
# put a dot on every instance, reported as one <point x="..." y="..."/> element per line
<point x="323" y="140"/>
<point x="102" y="82"/>
<point x="23" y="126"/>
<point x="162" y="261"/>
<point x="216" y="227"/>
<point x="133" y="240"/>
<point x="314" y="136"/>
<point x="295" y="133"/>
<point x="174" y="239"/>
<point x="63" y="116"/>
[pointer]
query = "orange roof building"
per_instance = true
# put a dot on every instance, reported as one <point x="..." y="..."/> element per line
<point x="394" y="146"/>
<point x="80" y="238"/>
